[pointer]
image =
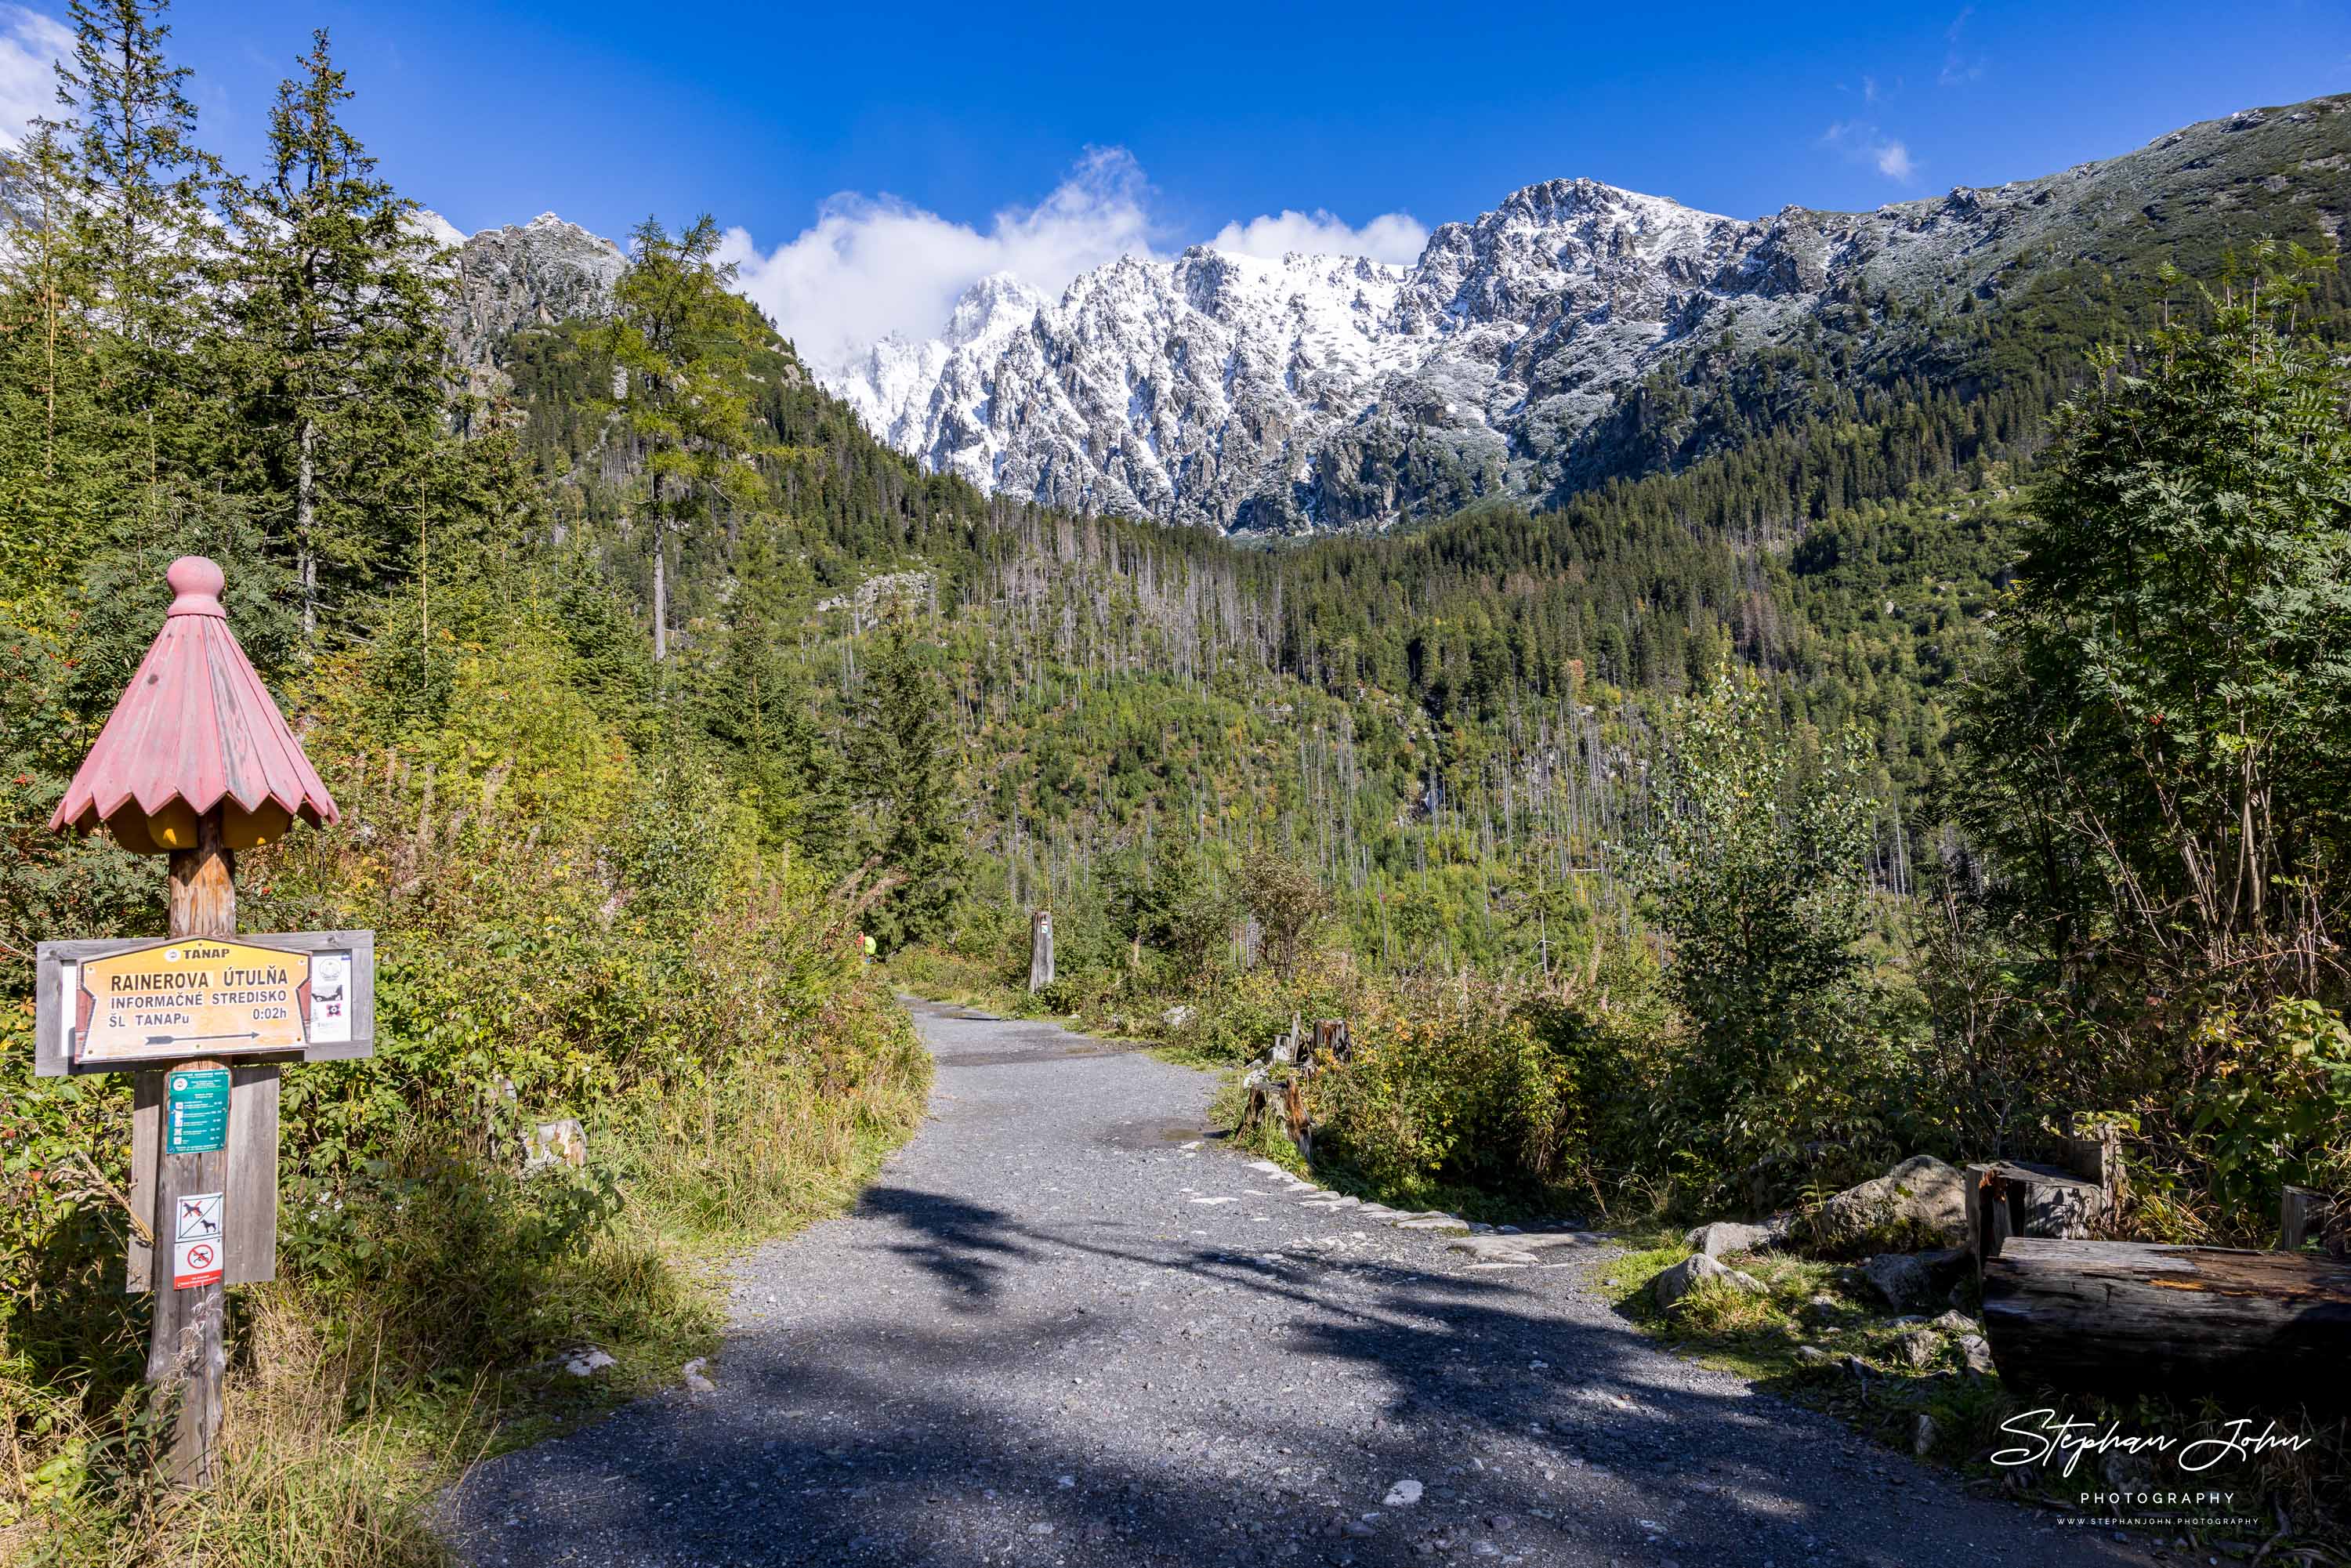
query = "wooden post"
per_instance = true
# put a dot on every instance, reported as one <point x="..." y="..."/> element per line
<point x="1988" y="1213"/>
<point x="2295" y="1214"/>
<point x="1040" y="950"/>
<point x="187" y="1361"/>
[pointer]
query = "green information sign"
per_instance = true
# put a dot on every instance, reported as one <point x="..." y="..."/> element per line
<point x="197" y="1112"/>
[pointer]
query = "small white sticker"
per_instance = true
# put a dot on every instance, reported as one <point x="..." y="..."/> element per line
<point x="330" y="998"/>
<point x="68" y="1006"/>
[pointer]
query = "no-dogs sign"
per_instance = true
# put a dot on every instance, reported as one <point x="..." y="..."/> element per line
<point x="199" y="1248"/>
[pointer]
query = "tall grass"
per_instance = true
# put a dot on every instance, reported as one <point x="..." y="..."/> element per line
<point x="424" y="1319"/>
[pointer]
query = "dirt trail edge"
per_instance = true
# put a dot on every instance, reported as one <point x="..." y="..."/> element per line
<point x="1064" y="1327"/>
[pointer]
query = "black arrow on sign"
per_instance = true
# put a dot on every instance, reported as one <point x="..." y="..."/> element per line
<point x="191" y="1039"/>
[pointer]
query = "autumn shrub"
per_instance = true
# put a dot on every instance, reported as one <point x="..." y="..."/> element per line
<point x="570" y="923"/>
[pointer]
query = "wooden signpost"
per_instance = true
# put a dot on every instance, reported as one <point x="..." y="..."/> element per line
<point x="196" y="762"/>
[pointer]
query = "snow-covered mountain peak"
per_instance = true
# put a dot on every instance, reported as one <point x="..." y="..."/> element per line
<point x="1218" y="388"/>
<point x="997" y="304"/>
<point x="1577" y="331"/>
<point x="436" y="228"/>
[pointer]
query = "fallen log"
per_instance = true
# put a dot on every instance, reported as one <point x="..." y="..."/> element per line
<point x="2119" y="1317"/>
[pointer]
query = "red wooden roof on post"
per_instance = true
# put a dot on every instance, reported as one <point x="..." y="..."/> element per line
<point x="195" y="726"/>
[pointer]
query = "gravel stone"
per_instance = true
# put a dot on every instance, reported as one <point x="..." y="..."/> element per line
<point x="1027" y="1293"/>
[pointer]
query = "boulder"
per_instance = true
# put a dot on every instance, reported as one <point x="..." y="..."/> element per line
<point x="1977" y="1351"/>
<point x="1728" y="1235"/>
<point x="1672" y="1284"/>
<point x="1909" y="1279"/>
<point x="1919" y="1347"/>
<point x="1921" y="1199"/>
<point x="553" y="1145"/>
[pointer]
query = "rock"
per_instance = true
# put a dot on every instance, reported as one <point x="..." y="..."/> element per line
<point x="1177" y="1017"/>
<point x="2126" y="1471"/>
<point x="587" y="1362"/>
<point x="1823" y="1309"/>
<point x="1921" y="1199"/>
<point x="1493" y="1249"/>
<point x="1672" y="1284"/>
<point x="1433" y="1222"/>
<point x="527" y="275"/>
<point x="1907" y="1279"/>
<point x="1977" y="1351"/>
<point x="693" y="1372"/>
<point x="1922" y="1435"/>
<point x="1919" y="1347"/>
<point x="1725" y="1235"/>
<point x="876" y="599"/>
<point x="1812" y="1355"/>
<point x="554" y="1144"/>
<point x="1958" y="1323"/>
<point x="1404" y="1494"/>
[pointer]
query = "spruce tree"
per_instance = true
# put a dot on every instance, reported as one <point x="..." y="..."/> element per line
<point x="679" y="339"/>
<point x="57" y="480"/>
<point x="901" y="766"/>
<point x="339" y="351"/>
<point x="138" y="222"/>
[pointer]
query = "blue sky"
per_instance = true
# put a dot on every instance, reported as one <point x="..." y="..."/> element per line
<point x="854" y="143"/>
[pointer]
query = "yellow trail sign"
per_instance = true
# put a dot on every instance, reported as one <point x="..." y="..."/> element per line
<point x="190" y="996"/>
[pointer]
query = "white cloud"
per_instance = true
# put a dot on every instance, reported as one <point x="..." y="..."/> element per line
<point x="30" y="46"/>
<point x="871" y="266"/>
<point x="1958" y="65"/>
<point x="1864" y="144"/>
<point x="1398" y="237"/>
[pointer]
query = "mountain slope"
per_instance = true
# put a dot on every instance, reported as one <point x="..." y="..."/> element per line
<point x="1576" y="333"/>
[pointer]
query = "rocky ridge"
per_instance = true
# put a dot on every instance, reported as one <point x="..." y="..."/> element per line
<point x="1576" y="333"/>
<point x="524" y="275"/>
<point x="1334" y="392"/>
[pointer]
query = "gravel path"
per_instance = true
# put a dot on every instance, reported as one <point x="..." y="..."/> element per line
<point x="1065" y="1327"/>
